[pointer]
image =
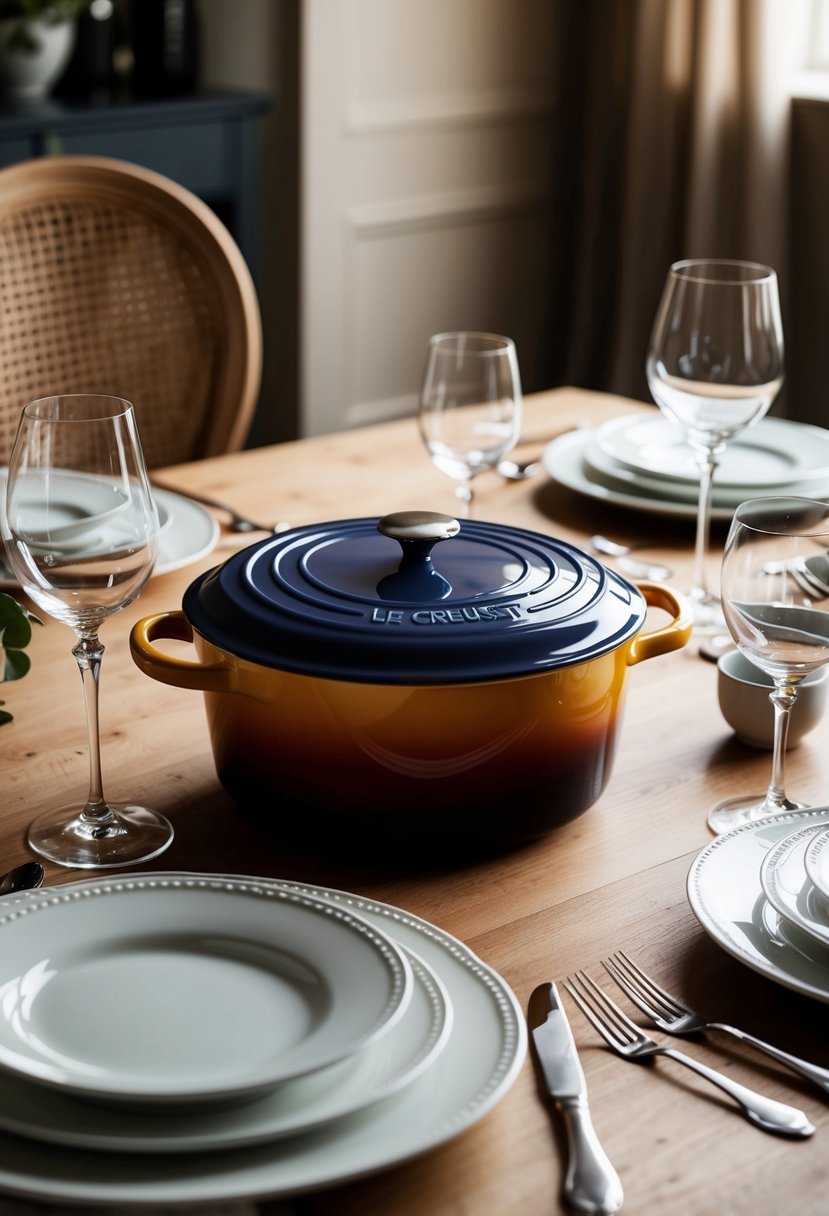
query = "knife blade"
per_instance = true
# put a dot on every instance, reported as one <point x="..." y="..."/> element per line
<point x="591" y="1184"/>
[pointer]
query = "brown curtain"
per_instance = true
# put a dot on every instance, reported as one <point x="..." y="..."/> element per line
<point x="671" y="137"/>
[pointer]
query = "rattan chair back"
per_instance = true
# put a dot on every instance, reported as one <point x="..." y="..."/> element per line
<point x="113" y="279"/>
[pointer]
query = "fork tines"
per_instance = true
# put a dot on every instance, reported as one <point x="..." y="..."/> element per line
<point x="642" y="990"/>
<point x="602" y="1012"/>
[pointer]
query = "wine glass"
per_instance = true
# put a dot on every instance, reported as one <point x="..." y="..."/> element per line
<point x="81" y="532"/>
<point x="715" y="366"/>
<point x="775" y="597"/>
<point x="470" y="405"/>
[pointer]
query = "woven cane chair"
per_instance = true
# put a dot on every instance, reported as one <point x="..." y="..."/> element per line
<point x="114" y="279"/>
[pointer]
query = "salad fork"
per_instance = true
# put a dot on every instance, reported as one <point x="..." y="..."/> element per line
<point x="631" y="1043"/>
<point x="670" y="1015"/>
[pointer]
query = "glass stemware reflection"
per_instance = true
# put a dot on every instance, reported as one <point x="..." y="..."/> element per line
<point x="775" y="596"/>
<point x="470" y="405"/>
<point x="81" y="532"/>
<point x="715" y="366"/>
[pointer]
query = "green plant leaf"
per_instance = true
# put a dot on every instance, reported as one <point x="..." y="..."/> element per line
<point x="16" y="664"/>
<point x="15" y="623"/>
<point x="15" y="634"/>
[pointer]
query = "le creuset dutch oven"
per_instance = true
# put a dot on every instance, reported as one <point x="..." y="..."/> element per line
<point x="479" y="694"/>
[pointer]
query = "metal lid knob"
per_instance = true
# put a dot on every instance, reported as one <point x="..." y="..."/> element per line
<point x="416" y="580"/>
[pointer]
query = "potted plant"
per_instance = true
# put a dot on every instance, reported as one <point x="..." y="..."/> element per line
<point x="15" y="635"/>
<point x="36" y="41"/>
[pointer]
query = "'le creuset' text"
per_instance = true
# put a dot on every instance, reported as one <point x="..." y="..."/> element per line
<point x="446" y="616"/>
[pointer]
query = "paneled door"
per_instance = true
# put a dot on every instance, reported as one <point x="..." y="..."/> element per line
<point x="425" y="158"/>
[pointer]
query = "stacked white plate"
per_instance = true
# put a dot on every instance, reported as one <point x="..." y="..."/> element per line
<point x="643" y="461"/>
<point x="192" y="1038"/>
<point x="762" y="892"/>
<point x="187" y="531"/>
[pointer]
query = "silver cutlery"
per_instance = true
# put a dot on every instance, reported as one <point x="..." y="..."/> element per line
<point x="623" y="555"/>
<point x="631" y="1043"/>
<point x="716" y="645"/>
<point x="518" y="470"/>
<point x="235" y="521"/>
<point x="591" y="1184"/>
<point x="22" y="878"/>
<point x="670" y="1015"/>
<point x="811" y="574"/>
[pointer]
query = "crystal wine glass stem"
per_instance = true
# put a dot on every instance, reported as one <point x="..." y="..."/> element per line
<point x="707" y="459"/>
<point x="463" y="493"/>
<point x="89" y="653"/>
<point x="782" y="697"/>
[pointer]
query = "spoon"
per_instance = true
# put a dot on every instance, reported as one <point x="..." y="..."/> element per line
<point x="22" y="878"/>
<point x="711" y="648"/>
<point x="518" y="470"/>
<point x="633" y="565"/>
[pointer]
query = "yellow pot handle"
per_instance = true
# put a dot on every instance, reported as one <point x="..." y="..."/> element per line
<point x="672" y="636"/>
<point x="181" y="673"/>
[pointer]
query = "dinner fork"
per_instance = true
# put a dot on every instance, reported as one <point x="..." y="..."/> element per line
<point x="670" y="1015"/>
<point x="628" y="1041"/>
<point x="235" y="521"/>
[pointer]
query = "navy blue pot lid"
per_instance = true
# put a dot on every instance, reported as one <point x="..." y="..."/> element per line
<point x="367" y="600"/>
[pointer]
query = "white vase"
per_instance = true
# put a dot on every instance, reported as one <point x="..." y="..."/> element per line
<point x="29" y="75"/>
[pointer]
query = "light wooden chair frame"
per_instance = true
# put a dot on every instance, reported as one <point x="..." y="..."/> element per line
<point x="189" y="225"/>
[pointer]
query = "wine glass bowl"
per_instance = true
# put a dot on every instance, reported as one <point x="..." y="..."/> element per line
<point x="714" y="366"/>
<point x="470" y="405"/>
<point x="778" y="619"/>
<point x="81" y="532"/>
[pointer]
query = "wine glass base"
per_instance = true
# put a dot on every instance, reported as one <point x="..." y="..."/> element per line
<point x="70" y="838"/>
<point x="734" y="812"/>
<point x="707" y="615"/>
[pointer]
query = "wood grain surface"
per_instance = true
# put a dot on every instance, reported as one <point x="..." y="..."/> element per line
<point x="613" y="878"/>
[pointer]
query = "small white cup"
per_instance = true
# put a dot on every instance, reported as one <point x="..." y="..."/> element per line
<point x="743" y="691"/>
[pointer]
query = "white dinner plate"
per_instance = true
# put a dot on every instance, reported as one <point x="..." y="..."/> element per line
<point x="187" y="532"/>
<point x="563" y="459"/>
<point x="788" y="887"/>
<point x="608" y="472"/>
<point x="191" y="534"/>
<point x="382" y="1068"/>
<point x="772" y="452"/>
<point x="78" y="504"/>
<point x="816" y="861"/>
<point x="727" y="899"/>
<point x="175" y="991"/>
<point x="484" y="1053"/>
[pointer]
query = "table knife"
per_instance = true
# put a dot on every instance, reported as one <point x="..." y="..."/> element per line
<point x="591" y="1184"/>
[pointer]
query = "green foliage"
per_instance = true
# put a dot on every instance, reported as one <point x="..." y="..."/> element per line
<point x="15" y="635"/>
<point x="23" y="36"/>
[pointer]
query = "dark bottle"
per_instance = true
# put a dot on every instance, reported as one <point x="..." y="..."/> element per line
<point x="164" y="36"/>
<point x="91" y="70"/>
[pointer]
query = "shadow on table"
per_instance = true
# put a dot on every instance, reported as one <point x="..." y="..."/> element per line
<point x="276" y="839"/>
<point x="577" y="511"/>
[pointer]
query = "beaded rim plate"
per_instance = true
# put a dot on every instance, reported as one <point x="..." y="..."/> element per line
<point x="169" y="990"/>
<point x="382" y="1068"/>
<point x="482" y="1058"/>
<point x="788" y="887"/>
<point x="727" y="899"/>
<point x="816" y="861"/>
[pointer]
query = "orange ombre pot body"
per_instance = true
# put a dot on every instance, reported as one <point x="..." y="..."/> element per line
<point x="392" y="741"/>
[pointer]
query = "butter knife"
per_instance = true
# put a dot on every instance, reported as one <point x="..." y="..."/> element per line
<point x="591" y="1184"/>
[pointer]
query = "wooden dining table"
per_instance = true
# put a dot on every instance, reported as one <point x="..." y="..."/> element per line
<point x="613" y="878"/>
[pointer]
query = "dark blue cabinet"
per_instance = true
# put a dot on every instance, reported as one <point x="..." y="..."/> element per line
<point x="208" y="142"/>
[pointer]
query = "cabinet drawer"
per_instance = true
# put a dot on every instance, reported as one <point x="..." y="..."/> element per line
<point x="195" y="156"/>
<point x="14" y="150"/>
